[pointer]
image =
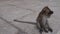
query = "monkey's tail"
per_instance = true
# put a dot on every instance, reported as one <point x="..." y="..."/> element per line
<point x="34" y="23"/>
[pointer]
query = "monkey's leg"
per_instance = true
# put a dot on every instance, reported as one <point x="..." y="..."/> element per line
<point x="39" y="28"/>
<point x="49" y="28"/>
<point x="43" y="27"/>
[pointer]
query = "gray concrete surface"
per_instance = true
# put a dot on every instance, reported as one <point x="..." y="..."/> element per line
<point x="27" y="10"/>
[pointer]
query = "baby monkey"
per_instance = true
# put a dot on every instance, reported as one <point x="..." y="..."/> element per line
<point x="42" y="22"/>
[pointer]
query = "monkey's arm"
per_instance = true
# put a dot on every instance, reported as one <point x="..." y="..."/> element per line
<point x="40" y="22"/>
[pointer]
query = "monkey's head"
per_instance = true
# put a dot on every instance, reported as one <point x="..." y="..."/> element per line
<point x="46" y="11"/>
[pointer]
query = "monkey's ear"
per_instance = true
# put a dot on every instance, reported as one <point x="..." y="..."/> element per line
<point x="45" y="8"/>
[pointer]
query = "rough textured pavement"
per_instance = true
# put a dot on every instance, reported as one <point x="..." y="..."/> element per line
<point x="26" y="10"/>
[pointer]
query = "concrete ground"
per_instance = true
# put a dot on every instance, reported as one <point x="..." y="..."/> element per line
<point x="26" y="10"/>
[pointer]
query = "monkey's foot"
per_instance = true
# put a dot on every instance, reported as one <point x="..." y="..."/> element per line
<point x="40" y="31"/>
<point x="50" y="30"/>
<point x="45" y="30"/>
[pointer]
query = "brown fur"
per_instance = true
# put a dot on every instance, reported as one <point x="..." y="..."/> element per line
<point x="42" y="22"/>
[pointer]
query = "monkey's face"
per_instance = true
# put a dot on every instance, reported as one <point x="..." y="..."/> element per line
<point x="47" y="11"/>
<point x="50" y="13"/>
